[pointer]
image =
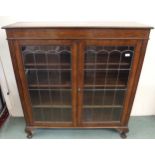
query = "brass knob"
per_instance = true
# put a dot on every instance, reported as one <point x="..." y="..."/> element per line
<point x="79" y="89"/>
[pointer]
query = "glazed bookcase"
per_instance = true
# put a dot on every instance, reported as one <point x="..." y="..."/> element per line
<point x="77" y="76"/>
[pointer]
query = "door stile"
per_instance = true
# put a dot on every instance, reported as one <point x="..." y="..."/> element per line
<point x="74" y="83"/>
<point x="80" y="79"/>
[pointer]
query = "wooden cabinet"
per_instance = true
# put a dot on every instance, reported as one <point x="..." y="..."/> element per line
<point x="77" y="76"/>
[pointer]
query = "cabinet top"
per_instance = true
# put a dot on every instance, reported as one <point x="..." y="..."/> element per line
<point x="77" y="25"/>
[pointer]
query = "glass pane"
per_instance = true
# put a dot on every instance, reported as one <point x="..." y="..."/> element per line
<point x="106" y="75"/>
<point x="106" y="78"/>
<point x="56" y="115"/>
<point x="48" y="73"/>
<point x="101" y="114"/>
<point x="101" y="98"/>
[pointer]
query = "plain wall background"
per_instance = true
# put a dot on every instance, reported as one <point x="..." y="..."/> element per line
<point x="80" y="10"/>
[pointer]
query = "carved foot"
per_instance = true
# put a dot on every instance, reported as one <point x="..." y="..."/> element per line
<point x="123" y="132"/>
<point x="29" y="132"/>
<point x="123" y="135"/>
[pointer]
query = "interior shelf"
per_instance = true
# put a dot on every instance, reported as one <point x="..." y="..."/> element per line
<point x="106" y="78"/>
<point x="49" y="78"/>
<point x="48" y="65"/>
<point x="106" y="69"/>
<point x="102" y="106"/>
<point x="110" y="65"/>
<point x="50" y="89"/>
<point x="69" y="106"/>
<point x="49" y="86"/>
<point x="90" y="86"/>
<point x="121" y="85"/>
<point x="47" y="69"/>
<point x="88" y="66"/>
<point x="52" y="106"/>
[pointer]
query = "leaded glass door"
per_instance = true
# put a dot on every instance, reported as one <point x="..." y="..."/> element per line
<point x="103" y="83"/>
<point x="49" y="71"/>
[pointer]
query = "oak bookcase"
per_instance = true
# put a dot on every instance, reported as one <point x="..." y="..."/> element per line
<point x="78" y="75"/>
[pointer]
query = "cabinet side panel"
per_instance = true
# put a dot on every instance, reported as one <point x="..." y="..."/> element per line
<point x="140" y="59"/>
<point x="19" y="81"/>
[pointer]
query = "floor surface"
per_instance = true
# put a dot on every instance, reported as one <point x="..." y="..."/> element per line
<point x="141" y="127"/>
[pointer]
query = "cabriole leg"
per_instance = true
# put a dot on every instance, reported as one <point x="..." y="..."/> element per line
<point x="123" y="132"/>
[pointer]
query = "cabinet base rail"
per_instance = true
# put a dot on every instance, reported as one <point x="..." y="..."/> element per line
<point x="121" y="130"/>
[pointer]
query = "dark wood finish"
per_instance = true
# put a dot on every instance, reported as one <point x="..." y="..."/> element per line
<point x="29" y="132"/>
<point x="83" y="114"/>
<point x="19" y="84"/>
<point x="74" y="83"/>
<point x="77" y="33"/>
<point x="80" y="81"/>
<point x="142" y="49"/>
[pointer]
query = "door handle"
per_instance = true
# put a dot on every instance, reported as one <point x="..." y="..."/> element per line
<point x="79" y="89"/>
